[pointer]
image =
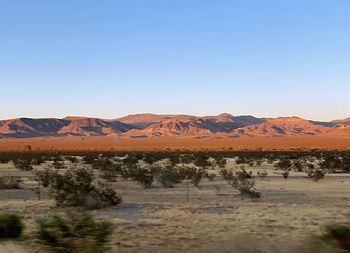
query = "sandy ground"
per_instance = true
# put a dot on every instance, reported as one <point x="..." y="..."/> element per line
<point x="216" y="217"/>
<point x="91" y="143"/>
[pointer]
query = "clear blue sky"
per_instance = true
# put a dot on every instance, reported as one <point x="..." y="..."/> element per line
<point x="108" y="58"/>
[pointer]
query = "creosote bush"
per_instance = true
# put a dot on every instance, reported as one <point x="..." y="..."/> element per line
<point x="262" y="174"/>
<point x="337" y="235"/>
<point x="314" y="173"/>
<point x="74" y="232"/>
<point x="241" y="180"/>
<point x="142" y="175"/>
<point x="77" y="187"/>
<point x="11" y="226"/>
<point x="168" y="176"/>
<point x="107" y="169"/>
<point x="43" y="176"/>
<point x="23" y="164"/>
<point x="194" y="174"/>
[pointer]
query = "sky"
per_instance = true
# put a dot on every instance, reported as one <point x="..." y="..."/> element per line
<point x="110" y="58"/>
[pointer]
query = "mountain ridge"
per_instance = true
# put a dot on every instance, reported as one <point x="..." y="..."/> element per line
<point x="175" y="125"/>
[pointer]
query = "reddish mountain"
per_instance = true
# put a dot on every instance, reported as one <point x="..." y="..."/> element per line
<point x="342" y="121"/>
<point x="286" y="126"/>
<point x="170" y="127"/>
<point x="25" y="127"/>
<point x="152" y="125"/>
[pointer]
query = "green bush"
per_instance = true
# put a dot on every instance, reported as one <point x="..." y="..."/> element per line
<point x="194" y="174"/>
<point x="144" y="176"/>
<point x="107" y="169"/>
<point x="43" y="176"/>
<point x="168" y="176"/>
<point x="74" y="232"/>
<point x="77" y="187"/>
<point x="23" y="164"/>
<point x="337" y="234"/>
<point x="11" y="226"/>
<point x="243" y="181"/>
<point x="315" y="174"/>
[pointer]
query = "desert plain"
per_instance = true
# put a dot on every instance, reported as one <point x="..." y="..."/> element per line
<point x="213" y="217"/>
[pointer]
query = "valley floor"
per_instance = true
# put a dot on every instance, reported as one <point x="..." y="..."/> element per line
<point x="217" y="143"/>
<point x="216" y="218"/>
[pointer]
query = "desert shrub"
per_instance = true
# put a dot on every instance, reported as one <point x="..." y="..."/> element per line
<point x="314" y="173"/>
<point x="241" y="180"/>
<point x="75" y="232"/>
<point x="23" y="164"/>
<point x="58" y="165"/>
<point x="193" y="174"/>
<point x="242" y="159"/>
<point x="187" y="158"/>
<point x="44" y="177"/>
<point x="283" y="164"/>
<point x="258" y="162"/>
<point x="57" y="158"/>
<point x="337" y="235"/>
<point x="11" y="226"/>
<point x="132" y="159"/>
<point x="76" y="187"/>
<point x="168" y="176"/>
<point x="72" y="159"/>
<point x="89" y="158"/>
<point x="202" y="160"/>
<point x="10" y="182"/>
<point x="221" y="162"/>
<point x="101" y="163"/>
<point x="142" y="175"/>
<point x="332" y="164"/>
<point x="285" y="174"/>
<point x="153" y="157"/>
<point x="210" y="176"/>
<point x="37" y="160"/>
<point x="299" y="165"/>
<point x="174" y="159"/>
<point x="107" y="169"/>
<point x="262" y="174"/>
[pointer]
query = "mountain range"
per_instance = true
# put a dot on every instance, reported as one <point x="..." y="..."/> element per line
<point x="153" y="125"/>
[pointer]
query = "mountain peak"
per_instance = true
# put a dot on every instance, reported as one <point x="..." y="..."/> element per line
<point x="225" y="115"/>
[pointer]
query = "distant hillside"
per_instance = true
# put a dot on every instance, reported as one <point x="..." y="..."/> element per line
<point x="153" y="125"/>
